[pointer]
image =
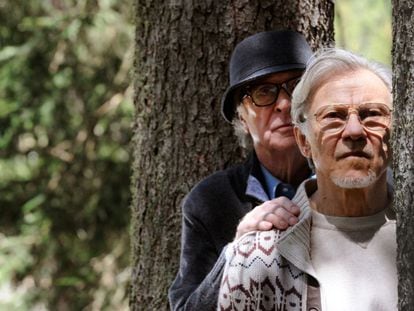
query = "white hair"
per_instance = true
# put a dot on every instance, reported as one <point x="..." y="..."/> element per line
<point x="244" y="138"/>
<point x="355" y="182"/>
<point x="323" y="65"/>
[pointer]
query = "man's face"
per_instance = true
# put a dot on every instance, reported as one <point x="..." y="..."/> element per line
<point x="270" y="126"/>
<point x="354" y="152"/>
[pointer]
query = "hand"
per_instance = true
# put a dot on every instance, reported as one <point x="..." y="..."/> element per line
<point x="279" y="213"/>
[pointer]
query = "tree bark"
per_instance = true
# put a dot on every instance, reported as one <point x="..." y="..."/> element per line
<point x="403" y="146"/>
<point x="182" y="54"/>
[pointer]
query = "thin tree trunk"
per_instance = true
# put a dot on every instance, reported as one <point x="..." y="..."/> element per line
<point x="182" y="54"/>
<point x="403" y="146"/>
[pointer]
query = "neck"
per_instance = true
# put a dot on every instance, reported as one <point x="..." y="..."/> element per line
<point x="332" y="200"/>
<point x="289" y="167"/>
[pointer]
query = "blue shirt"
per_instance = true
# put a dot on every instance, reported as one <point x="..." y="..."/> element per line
<point x="271" y="182"/>
<point x="275" y="187"/>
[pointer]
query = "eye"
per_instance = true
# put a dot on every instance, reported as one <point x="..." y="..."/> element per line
<point x="291" y="84"/>
<point x="265" y="90"/>
<point x="370" y="113"/>
<point x="334" y="115"/>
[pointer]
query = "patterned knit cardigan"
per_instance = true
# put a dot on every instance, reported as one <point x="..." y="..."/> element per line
<point x="269" y="270"/>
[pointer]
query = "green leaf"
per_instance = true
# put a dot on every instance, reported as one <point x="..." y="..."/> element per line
<point x="7" y="107"/>
<point x="34" y="202"/>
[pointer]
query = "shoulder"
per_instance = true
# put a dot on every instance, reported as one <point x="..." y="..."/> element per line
<point x="255" y="250"/>
<point x="234" y="176"/>
<point x="252" y="261"/>
<point x="225" y="186"/>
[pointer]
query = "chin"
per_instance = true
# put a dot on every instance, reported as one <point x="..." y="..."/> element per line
<point x="355" y="182"/>
<point x="283" y="143"/>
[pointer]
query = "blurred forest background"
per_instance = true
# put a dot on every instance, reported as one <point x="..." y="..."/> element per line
<point x="65" y="115"/>
<point x="365" y="28"/>
<point x="66" y="71"/>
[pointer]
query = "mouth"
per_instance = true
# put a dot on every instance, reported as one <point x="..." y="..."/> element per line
<point x="355" y="154"/>
<point x="283" y="126"/>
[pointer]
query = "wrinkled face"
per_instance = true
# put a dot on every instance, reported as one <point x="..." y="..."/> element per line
<point x="347" y="133"/>
<point x="270" y="126"/>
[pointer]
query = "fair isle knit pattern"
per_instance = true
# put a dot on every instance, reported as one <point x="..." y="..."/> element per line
<point x="259" y="275"/>
<point x="260" y="289"/>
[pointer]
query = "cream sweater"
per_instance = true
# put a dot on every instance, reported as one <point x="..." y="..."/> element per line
<point x="355" y="262"/>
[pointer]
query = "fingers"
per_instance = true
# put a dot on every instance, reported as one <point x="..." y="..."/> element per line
<point x="287" y="204"/>
<point x="280" y="218"/>
<point x="279" y="213"/>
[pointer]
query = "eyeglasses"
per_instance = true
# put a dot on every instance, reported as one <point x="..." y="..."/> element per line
<point x="372" y="116"/>
<point x="266" y="94"/>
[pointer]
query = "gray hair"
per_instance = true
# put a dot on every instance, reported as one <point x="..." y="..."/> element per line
<point x="320" y="68"/>
<point x="243" y="137"/>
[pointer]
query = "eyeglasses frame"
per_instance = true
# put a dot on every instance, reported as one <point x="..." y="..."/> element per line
<point x="279" y="86"/>
<point x="353" y="110"/>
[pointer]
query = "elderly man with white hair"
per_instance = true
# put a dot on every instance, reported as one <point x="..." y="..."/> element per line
<point x="341" y="255"/>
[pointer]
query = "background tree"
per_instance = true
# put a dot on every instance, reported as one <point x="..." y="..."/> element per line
<point x="182" y="53"/>
<point x="403" y="146"/>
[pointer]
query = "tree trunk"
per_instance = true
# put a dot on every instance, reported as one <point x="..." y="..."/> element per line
<point x="403" y="146"/>
<point x="182" y="54"/>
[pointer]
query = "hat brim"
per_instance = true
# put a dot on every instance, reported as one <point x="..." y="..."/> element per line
<point x="228" y="102"/>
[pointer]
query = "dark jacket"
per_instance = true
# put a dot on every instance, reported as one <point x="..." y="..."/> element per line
<point x="211" y="213"/>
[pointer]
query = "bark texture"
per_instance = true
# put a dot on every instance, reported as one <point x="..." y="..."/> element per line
<point x="403" y="146"/>
<point x="182" y="53"/>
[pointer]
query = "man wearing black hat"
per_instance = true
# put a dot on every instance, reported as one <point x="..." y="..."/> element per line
<point x="264" y="69"/>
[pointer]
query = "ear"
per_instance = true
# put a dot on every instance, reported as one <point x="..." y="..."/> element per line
<point x="241" y="110"/>
<point x="302" y="142"/>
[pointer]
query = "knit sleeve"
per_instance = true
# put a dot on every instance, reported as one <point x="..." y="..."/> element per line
<point x="250" y="273"/>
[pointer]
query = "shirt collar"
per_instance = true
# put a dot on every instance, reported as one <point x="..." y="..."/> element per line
<point x="271" y="182"/>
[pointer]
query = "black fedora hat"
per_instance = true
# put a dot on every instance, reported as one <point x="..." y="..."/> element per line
<point x="262" y="54"/>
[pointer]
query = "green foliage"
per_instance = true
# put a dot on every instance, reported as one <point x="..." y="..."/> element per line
<point x="65" y="115"/>
<point x="365" y="27"/>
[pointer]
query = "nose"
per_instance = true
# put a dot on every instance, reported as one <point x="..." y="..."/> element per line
<point x="283" y="102"/>
<point x="353" y="128"/>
